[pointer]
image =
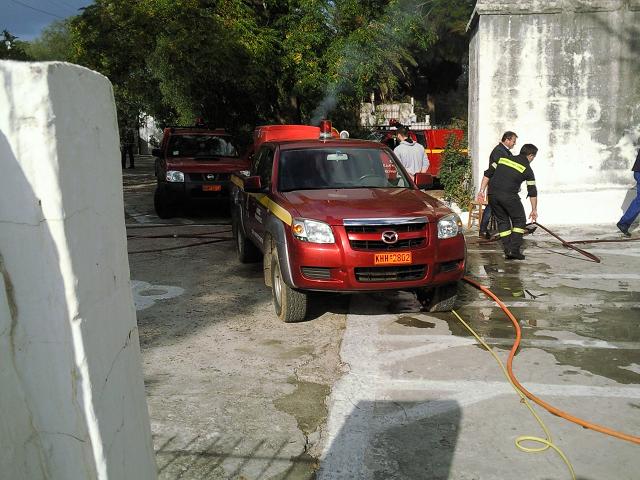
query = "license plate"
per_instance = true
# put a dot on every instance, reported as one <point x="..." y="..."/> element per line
<point x="211" y="188"/>
<point x="396" y="258"/>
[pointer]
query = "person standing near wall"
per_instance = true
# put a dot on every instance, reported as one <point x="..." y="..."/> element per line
<point x="503" y="149"/>
<point x="127" y="139"/>
<point x="634" y="207"/>
<point x="411" y="154"/>
<point x="503" y="179"/>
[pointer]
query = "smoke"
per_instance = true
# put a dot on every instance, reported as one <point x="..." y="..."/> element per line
<point x="327" y="104"/>
<point x="383" y="40"/>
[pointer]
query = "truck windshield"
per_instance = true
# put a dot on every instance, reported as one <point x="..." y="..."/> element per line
<point x="311" y="169"/>
<point x="201" y="146"/>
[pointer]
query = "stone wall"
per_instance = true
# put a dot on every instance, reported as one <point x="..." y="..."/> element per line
<point x="564" y="75"/>
<point x="72" y="397"/>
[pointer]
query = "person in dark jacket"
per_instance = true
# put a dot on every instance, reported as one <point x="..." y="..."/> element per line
<point x="504" y="178"/>
<point x="503" y="149"/>
<point x="127" y="140"/>
<point x="634" y="207"/>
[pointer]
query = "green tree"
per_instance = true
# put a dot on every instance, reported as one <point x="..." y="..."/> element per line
<point x="11" y="48"/>
<point x="54" y="43"/>
<point x="244" y="62"/>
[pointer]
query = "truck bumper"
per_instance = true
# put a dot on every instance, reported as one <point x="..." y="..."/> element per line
<point x="332" y="267"/>
<point x="185" y="191"/>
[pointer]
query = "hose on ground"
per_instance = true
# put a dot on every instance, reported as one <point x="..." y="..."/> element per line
<point x="532" y="397"/>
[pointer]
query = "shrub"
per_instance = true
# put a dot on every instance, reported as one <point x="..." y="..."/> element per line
<point x="455" y="173"/>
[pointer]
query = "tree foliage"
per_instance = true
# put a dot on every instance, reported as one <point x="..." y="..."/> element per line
<point x="244" y="62"/>
<point x="54" y="43"/>
<point x="11" y="48"/>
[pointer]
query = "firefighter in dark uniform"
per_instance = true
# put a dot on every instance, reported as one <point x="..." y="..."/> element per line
<point x="504" y="178"/>
<point x="503" y="149"/>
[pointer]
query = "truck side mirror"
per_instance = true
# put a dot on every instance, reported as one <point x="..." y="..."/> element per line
<point x="253" y="184"/>
<point x="156" y="152"/>
<point x="423" y="180"/>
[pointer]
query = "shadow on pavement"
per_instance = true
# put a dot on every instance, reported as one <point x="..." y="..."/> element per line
<point x="401" y="440"/>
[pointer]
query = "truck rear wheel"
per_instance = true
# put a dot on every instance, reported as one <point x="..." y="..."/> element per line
<point x="290" y="304"/>
<point x="438" y="299"/>
<point x="162" y="203"/>
<point x="246" y="251"/>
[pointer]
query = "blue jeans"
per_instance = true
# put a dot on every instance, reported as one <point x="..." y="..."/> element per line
<point x="634" y="207"/>
<point x="486" y="216"/>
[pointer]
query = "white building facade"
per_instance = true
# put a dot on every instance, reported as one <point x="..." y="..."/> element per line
<point x="565" y="76"/>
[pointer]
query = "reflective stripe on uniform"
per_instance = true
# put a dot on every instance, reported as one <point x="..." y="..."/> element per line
<point x="518" y="230"/>
<point x="494" y="165"/>
<point x="512" y="164"/>
<point x="531" y="182"/>
<point x="505" y="234"/>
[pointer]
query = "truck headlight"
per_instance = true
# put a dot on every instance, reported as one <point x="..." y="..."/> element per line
<point x="312" y="231"/>
<point x="449" y="226"/>
<point x="175" y="176"/>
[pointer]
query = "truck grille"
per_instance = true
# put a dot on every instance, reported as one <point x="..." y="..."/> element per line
<point x="390" y="274"/>
<point x="202" y="177"/>
<point x="407" y="227"/>
<point x="369" y="237"/>
<point x="380" y="245"/>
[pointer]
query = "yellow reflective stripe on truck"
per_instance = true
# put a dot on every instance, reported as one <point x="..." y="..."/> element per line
<point x="265" y="201"/>
<point x="274" y="208"/>
<point x="440" y="150"/>
<point x="238" y="181"/>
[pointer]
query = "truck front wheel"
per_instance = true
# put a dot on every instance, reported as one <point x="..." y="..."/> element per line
<point x="290" y="304"/>
<point x="438" y="299"/>
<point x="162" y="203"/>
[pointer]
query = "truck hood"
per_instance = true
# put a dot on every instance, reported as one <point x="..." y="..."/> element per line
<point x="333" y="206"/>
<point x="204" y="165"/>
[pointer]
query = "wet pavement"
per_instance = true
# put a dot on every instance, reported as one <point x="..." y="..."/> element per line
<point x="423" y="399"/>
<point x="371" y="387"/>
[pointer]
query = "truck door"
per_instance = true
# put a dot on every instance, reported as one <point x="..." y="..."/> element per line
<point x="257" y="212"/>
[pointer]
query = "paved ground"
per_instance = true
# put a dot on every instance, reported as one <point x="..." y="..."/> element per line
<point x="371" y="387"/>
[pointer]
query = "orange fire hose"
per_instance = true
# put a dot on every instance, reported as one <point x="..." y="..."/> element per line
<point x="532" y="397"/>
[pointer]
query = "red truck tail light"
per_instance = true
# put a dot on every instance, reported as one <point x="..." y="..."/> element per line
<point x="325" y="129"/>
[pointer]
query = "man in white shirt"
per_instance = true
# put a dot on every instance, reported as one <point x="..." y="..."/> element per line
<point x="410" y="153"/>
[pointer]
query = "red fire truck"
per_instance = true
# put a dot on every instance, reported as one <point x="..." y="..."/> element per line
<point x="340" y="215"/>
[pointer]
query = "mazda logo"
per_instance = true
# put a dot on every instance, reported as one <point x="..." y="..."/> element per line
<point x="389" y="237"/>
<point x="211" y="176"/>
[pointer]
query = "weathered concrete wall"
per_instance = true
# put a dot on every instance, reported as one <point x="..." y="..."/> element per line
<point x="564" y="75"/>
<point x="72" y="401"/>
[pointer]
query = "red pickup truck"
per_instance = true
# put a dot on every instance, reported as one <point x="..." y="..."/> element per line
<point x="193" y="163"/>
<point x="339" y="215"/>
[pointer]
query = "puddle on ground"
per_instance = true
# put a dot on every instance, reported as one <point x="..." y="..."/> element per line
<point x="306" y="404"/>
<point x="146" y="294"/>
<point x="414" y="322"/>
<point x="153" y="292"/>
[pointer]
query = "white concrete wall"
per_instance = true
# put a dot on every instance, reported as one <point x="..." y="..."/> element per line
<point x="72" y="400"/>
<point x="564" y="76"/>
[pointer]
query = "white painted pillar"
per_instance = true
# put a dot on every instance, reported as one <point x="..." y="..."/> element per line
<point x="72" y="400"/>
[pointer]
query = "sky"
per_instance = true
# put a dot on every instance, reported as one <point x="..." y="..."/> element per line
<point x="26" y="18"/>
